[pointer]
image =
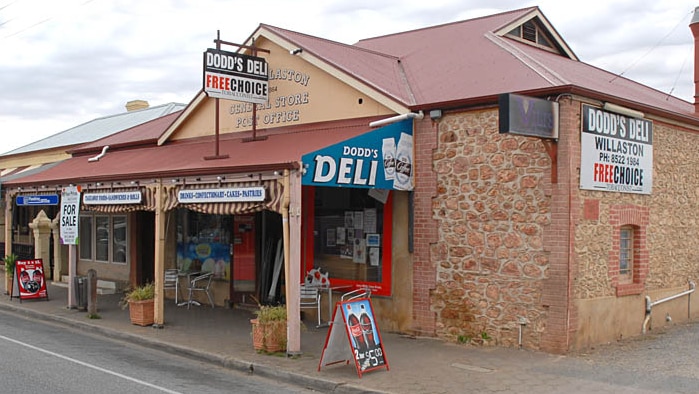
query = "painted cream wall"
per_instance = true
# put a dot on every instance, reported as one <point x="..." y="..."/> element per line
<point x="300" y="93"/>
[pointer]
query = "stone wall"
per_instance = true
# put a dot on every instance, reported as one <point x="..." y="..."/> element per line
<point x="492" y="209"/>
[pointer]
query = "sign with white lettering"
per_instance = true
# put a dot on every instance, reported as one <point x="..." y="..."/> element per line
<point x="616" y="152"/>
<point x="116" y="198"/>
<point x="243" y="194"/>
<point x="30" y="279"/>
<point x="48" y="199"/>
<point x="235" y="76"/>
<point x="379" y="159"/>
<point x="70" y="211"/>
<point x="528" y="116"/>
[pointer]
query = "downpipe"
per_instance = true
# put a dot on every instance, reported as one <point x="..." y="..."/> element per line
<point x="649" y="304"/>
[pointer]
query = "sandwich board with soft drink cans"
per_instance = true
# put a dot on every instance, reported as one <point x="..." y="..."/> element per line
<point x="30" y="279"/>
<point x="354" y="321"/>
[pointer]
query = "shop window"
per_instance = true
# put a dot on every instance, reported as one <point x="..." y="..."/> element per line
<point x="204" y="242"/>
<point x="103" y="238"/>
<point x="351" y="236"/>
<point x="628" y="259"/>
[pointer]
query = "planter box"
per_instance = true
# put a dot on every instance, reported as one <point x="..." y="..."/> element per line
<point x="142" y="312"/>
<point x="269" y="337"/>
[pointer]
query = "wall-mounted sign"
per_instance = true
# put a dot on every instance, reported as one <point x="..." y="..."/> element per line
<point x="381" y="159"/>
<point x="46" y="199"/>
<point x="616" y="152"/>
<point x="235" y="76"/>
<point x="116" y="198"/>
<point x="528" y="116"/>
<point x="70" y="211"/>
<point x="241" y="194"/>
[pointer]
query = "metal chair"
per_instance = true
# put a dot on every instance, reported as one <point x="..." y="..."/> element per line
<point x="362" y="292"/>
<point x="171" y="281"/>
<point x="201" y="283"/>
<point x="310" y="298"/>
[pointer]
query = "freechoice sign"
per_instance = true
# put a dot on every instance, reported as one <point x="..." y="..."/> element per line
<point x="235" y="76"/>
<point x="616" y="152"/>
<point x="379" y="159"/>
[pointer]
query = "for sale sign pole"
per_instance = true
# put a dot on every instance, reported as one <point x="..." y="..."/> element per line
<point x="70" y="211"/>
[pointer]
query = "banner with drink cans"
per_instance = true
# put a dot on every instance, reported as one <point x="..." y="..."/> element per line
<point x="30" y="279"/>
<point x="356" y="319"/>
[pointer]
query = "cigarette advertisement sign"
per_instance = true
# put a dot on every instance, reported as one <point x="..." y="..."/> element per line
<point x="616" y="152"/>
<point x="30" y="278"/>
<point x="379" y="159"/>
<point x="70" y="210"/>
<point x="235" y="76"/>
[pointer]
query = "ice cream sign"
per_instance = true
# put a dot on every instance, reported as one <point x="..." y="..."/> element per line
<point x="380" y="159"/>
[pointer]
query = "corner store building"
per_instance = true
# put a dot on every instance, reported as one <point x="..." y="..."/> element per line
<point x="498" y="230"/>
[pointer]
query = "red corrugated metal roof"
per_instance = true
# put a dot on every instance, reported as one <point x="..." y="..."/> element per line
<point x="471" y="59"/>
<point x="187" y="157"/>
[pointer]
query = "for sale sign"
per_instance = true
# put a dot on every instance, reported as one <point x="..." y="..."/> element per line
<point x="30" y="279"/>
<point x="70" y="210"/>
<point x="235" y="76"/>
<point x="616" y="152"/>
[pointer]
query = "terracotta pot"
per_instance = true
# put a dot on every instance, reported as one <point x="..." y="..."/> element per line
<point x="142" y="312"/>
<point x="269" y="336"/>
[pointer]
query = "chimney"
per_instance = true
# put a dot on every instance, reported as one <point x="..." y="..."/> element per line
<point x="694" y="26"/>
<point x="134" y="105"/>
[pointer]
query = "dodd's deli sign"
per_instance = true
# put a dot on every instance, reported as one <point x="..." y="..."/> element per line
<point x="616" y="152"/>
<point x="235" y="76"/>
<point x="378" y="159"/>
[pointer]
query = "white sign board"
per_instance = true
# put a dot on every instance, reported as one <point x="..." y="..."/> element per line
<point x="242" y="194"/>
<point x="616" y="152"/>
<point x="117" y="198"/>
<point x="70" y="211"/>
<point x="235" y="76"/>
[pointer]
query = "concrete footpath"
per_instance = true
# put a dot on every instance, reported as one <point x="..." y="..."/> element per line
<point x="417" y="365"/>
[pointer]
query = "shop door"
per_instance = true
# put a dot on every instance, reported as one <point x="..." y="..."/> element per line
<point x="243" y="271"/>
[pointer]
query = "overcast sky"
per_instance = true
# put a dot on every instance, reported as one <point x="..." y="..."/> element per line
<point x="65" y="62"/>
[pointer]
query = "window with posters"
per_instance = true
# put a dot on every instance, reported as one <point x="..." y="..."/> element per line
<point x="348" y="236"/>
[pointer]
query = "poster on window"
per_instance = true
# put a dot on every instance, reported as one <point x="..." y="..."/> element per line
<point x="616" y="152"/>
<point x="30" y="279"/>
<point x="355" y="319"/>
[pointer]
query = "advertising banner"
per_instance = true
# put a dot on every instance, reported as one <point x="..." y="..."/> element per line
<point x="235" y="76"/>
<point x="616" y="152"/>
<point x="356" y="319"/>
<point x="30" y="279"/>
<point x="70" y="211"/>
<point x="46" y="199"/>
<point x="378" y="159"/>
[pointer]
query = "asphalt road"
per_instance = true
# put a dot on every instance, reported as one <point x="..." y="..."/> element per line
<point x="40" y="357"/>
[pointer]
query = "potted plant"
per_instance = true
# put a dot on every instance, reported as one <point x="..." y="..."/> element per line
<point x="10" y="260"/>
<point x="141" y="303"/>
<point x="269" y="329"/>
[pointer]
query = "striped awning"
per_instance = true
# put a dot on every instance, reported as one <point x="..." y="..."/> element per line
<point x="274" y="192"/>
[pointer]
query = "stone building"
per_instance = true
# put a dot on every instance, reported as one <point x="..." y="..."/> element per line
<point x="550" y="206"/>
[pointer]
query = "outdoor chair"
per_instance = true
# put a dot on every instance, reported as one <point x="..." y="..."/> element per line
<point x="171" y="282"/>
<point x="310" y="298"/>
<point x="200" y="283"/>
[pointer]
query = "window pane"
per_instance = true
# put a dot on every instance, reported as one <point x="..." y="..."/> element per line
<point x="625" y="251"/>
<point x="348" y="234"/>
<point x="85" y="234"/>
<point x="119" y="246"/>
<point x="102" y="241"/>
